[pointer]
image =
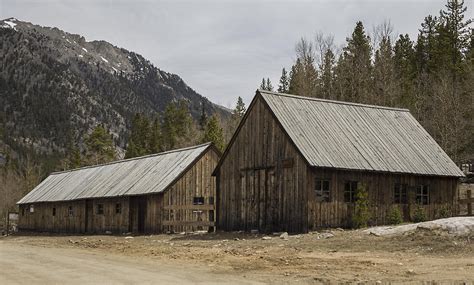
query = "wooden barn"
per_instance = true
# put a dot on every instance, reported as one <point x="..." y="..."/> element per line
<point x="171" y="191"/>
<point x="294" y="164"/>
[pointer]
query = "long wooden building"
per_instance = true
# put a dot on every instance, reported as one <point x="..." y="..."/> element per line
<point x="294" y="164"/>
<point x="171" y="191"/>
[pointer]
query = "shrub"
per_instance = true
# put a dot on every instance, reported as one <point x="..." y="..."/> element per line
<point x="361" y="214"/>
<point x="394" y="216"/>
<point x="419" y="214"/>
<point x="444" y="212"/>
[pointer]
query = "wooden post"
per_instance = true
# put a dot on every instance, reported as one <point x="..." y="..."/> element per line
<point x="8" y="222"/>
<point x="469" y="200"/>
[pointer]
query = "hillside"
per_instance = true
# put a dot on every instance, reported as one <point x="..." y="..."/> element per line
<point x="56" y="86"/>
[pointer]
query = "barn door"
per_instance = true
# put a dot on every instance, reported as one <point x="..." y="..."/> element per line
<point x="141" y="214"/>
<point x="89" y="216"/>
<point x="257" y="189"/>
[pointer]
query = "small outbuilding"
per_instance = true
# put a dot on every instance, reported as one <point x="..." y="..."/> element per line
<point x="171" y="191"/>
<point x="295" y="164"/>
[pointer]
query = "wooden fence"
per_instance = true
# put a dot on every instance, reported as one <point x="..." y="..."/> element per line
<point x="466" y="199"/>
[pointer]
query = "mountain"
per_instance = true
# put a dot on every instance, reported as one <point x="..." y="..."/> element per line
<point x="56" y="86"/>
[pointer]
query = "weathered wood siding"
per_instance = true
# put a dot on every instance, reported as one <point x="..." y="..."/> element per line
<point x="42" y="218"/>
<point x="110" y="220"/>
<point x="178" y="211"/>
<point x="337" y="213"/>
<point x="265" y="184"/>
<point x="172" y="210"/>
<point x="262" y="179"/>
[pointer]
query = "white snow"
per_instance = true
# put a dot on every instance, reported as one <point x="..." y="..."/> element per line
<point x="104" y="59"/>
<point x="9" y="24"/>
<point x="458" y="226"/>
<point x="67" y="40"/>
<point x="81" y="55"/>
<point x="84" y="49"/>
<point x="115" y="69"/>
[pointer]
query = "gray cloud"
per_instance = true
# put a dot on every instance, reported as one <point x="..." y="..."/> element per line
<point x="222" y="49"/>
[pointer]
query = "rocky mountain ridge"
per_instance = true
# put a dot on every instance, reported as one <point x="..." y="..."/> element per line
<point x="56" y="86"/>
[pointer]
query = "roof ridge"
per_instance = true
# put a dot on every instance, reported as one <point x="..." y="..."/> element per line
<point x="133" y="158"/>
<point x="332" y="101"/>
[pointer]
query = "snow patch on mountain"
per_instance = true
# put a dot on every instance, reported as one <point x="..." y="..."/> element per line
<point x="9" y="24"/>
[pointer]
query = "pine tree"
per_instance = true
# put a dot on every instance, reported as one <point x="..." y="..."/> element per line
<point x="154" y="145"/>
<point x="73" y="155"/>
<point x="355" y="68"/>
<point x="425" y="45"/>
<point x="74" y="158"/>
<point x="266" y="85"/>
<point x="176" y="128"/>
<point x="296" y="78"/>
<point x="100" y="147"/>
<point x="237" y="115"/>
<point x="203" y="118"/>
<point x="327" y="76"/>
<point x="283" y="87"/>
<point x="384" y="75"/>
<point x="404" y="64"/>
<point x="456" y="32"/>
<point x="269" y="86"/>
<point x="239" y="110"/>
<point x="139" y="138"/>
<point x="263" y="85"/>
<point x="214" y="133"/>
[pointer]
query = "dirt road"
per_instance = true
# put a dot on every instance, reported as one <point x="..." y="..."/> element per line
<point x="27" y="264"/>
<point x="326" y="257"/>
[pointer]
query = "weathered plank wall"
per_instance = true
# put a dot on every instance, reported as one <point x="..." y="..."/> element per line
<point x="110" y="220"/>
<point x="262" y="178"/>
<point x="172" y="210"/>
<point x="337" y="213"/>
<point x="178" y="211"/>
<point x="42" y="218"/>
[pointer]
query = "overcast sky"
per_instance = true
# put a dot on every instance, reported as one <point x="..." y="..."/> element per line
<point x="222" y="49"/>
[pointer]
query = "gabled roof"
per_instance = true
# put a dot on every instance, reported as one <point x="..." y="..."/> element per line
<point x="351" y="136"/>
<point x="136" y="176"/>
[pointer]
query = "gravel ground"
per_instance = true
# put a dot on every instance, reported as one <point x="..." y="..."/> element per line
<point x="313" y="258"/>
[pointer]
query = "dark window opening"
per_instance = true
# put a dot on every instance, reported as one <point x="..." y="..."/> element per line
<point x="22" y="211"/>
<point x="400" y="194"/>
<point x="70" y="211"/>
<point x="118" y="208"/>
<point x="322" y="190"/>
<point x="198" y="201"/>
<point x="350" y="189"/>
<point x="54" y="212"/>
<point x="211" y="215"/>
<point x="211" y="200"/>
<point x="423" y="194"/>
<point x="100" y="209"/>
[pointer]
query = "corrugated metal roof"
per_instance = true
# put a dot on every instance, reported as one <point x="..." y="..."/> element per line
<point x="135" y="176"/>
<point x="361" y="137"/>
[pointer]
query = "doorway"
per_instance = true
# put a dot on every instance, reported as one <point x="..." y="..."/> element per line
<point x="89" y="216"/>
<point x="138" y="209"/>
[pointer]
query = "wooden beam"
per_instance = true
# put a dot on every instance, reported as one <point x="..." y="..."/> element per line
<point x="469" y="201"/>
<point x="189" y="223"/>
<point x="189" y="207"/>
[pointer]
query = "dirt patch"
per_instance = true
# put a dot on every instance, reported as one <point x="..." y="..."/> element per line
<point x="318" y="257"/>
